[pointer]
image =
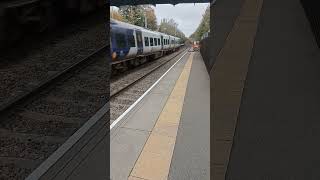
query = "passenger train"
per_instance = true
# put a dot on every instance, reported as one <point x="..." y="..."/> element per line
<point x="134" y="44"/>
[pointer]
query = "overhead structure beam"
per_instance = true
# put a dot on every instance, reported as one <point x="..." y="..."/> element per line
<point x="138" y="2"/>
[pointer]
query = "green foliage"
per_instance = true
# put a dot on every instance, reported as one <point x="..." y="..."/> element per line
<point x="115" y="15"/>
<point x="203" y="27"/>
<point x="132" y="14"/>
<point x="136" y="15"/>
<point x="151" y="18"/>
<point x="169" y="26"/>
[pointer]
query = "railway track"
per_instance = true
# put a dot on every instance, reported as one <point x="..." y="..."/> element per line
<point x="34" y="125"/>
<point x="124" y="91"/>
<point x="33" y="61"/>
<point x="147" y="68"/>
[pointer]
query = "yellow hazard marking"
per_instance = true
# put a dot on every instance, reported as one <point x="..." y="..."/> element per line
<point x="155" y="158"/>
<point x="227" y="80"/>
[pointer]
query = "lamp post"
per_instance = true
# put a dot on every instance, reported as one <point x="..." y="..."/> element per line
<point x="175" y="29"/>
<point x="145" y="19"/>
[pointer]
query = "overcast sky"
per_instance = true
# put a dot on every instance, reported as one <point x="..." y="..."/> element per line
<point x="188" y="16"/>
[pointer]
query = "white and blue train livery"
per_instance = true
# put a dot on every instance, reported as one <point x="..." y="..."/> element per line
<point x="130" y="42"/>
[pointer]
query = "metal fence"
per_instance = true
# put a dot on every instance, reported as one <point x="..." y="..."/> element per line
<point x="311" y="8"/>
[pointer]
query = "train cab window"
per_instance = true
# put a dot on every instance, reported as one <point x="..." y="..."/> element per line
<point x="159" y="41"/>
<point x="155" y="41"/>
<point x="146" y="41"/>
<point x="131" y="41"/>
<point x="120" y="40"/>
<point x="151" y="41"/>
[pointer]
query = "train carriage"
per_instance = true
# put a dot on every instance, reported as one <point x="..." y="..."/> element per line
<point x="134" y="43"/>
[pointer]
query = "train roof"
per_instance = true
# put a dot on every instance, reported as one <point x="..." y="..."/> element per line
<point x="114" y="22"/>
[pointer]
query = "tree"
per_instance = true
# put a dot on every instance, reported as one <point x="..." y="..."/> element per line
<point x="151" y="18"/>
<point x="169" y="26"/>
<point x="114" y="14"/>
<point x="203" y="27"/>
<point x="132" y="14"/>
<point x="136" y="15"/>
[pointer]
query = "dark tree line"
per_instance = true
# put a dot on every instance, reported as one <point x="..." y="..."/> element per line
<point x="136" y="15"/>
<point x="203" y="27"/>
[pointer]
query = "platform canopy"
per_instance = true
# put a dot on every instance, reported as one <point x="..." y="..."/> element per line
<point x="137" y="2"/>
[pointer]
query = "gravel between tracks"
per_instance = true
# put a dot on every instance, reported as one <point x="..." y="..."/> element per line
<point x="120" y="103"/>
<point x="118" y="83"/>
<point x="20" y="72"/>
<point x="31" y="132"/>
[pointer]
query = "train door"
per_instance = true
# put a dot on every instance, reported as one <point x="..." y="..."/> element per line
<point x="139" y="42"/>
<point x="161" y="42"/>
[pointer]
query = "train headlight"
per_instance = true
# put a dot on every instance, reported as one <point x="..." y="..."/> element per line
<point x="114" y="55"/>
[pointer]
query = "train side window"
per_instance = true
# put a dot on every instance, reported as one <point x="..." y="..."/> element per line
<point x="155" y="41"/>
<point x="146" y="41"/>
<point x="120" y="40"/>
<point x="151" y="41"/>
<point x="159" y="41"/>
<point x="131" y="41"/>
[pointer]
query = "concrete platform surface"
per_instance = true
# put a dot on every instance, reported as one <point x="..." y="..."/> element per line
<point x="277" y="131"/>
<point x="191" y="157"/>
<point x="140" y="132"/>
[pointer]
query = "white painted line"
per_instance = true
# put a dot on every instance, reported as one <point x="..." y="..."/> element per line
<point x="143" y="95"/>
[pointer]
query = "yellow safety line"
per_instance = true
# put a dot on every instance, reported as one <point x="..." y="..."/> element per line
<point x="155" y="158"/>
<point x="227" y="81"/>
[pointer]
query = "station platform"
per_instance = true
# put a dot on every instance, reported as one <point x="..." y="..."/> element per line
<point x="166" y="135"/>
<point x="278" y="123"/>
<point x="264" y="91"/>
